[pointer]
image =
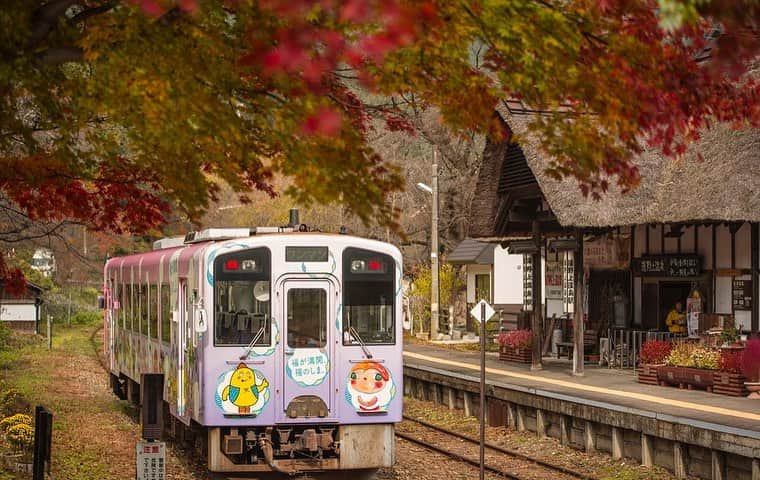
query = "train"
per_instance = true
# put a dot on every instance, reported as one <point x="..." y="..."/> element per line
<point x="279" y="349"/>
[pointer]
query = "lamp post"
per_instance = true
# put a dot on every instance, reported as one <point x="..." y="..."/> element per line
<point x="434" y="290"/>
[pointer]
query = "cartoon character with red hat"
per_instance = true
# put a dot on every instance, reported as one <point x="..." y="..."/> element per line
<point x="370" y="388"/>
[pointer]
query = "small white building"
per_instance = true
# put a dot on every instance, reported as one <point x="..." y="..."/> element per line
<point x="43" y="261"/>
<point x="22" y="312"/>
<point x="492" y="274"/>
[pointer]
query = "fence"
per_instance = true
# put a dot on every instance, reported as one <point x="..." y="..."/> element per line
<point x="624" y="345"/>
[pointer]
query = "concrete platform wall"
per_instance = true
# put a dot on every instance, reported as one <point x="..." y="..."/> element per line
<point x="683" y="447"/>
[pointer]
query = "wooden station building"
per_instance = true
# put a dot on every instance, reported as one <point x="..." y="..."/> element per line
<point x="691" y="225"/>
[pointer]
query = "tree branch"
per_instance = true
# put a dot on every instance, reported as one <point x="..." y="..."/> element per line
<point x="59" y="55"/>
<point x="45" y="19"/>
<point x="91" y="12"/>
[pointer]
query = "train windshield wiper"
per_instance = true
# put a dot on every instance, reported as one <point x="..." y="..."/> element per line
<point x="358" y="338"/>
<point x="253" y="342"/>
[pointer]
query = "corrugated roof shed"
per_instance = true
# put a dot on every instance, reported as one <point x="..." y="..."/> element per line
<point x="471" y="252"/>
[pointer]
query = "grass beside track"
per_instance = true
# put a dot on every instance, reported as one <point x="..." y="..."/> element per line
<point x="94" y="433"/>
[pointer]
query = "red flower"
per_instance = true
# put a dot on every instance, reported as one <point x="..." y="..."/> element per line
<point x="654" y="351"/>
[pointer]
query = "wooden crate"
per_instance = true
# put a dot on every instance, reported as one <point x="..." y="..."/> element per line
<point x="647" y="374"/>
<point x="520" y="355"/>
<point x="731" y="384"/>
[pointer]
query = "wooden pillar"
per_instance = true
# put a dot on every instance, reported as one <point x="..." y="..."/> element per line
<point x="578" y="309"/>
<point x="755" y="243"/>
<point x="755" y="469"/>
<point x="679" y="460"/>
<point x="617" y="443"/>
<point x="537" y="283"/>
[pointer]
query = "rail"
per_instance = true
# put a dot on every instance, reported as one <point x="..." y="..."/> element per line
<point x="556" y="469"/>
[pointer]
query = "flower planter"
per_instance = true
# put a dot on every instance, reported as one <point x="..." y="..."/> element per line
<point x="521" y="355"/>
<point x="685" y="377"/>
<point x="731" y="384"/>
<point x="647" y="374"/>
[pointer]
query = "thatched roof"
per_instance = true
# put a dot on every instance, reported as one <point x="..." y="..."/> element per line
<point x="723" y="187"/>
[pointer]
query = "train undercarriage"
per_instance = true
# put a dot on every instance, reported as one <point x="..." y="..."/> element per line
<point x="287" y="448"/>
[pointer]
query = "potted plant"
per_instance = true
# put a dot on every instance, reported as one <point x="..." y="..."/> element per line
<point x="729" y="336"/>
<point x="729" y="380"/>
<point x="751" y="367"/>
<point x="652" y="355"/>
<point x="516" y="346"/>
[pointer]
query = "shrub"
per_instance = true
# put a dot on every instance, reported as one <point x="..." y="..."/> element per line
<point x="681" y="355"/>
<point x="706" y="358"/>
<point x="87" y="318"/>
<point x="654" y="351"/>
<point x="516" y="339"/>
<point x="12" y="402"/>
<point x="751" y="360"/>
<point x="21" y="436"/>
<point x="731" y="362"/>
<point x="19" y="419"/>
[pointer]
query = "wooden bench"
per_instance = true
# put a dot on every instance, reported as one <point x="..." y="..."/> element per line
<point x="589" y="341"/>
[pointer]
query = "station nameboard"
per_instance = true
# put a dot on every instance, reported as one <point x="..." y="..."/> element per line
<point x="681" y="266"/>
<point x="742" y="295"/>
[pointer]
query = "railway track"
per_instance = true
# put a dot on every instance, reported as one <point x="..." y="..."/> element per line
<point x="500" y="461"/>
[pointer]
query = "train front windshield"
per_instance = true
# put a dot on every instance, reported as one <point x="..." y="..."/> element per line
<point x="368" y="298"/>
<point x="242" y="303"/>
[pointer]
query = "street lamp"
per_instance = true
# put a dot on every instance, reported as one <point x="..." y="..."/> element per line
<point x="434" y="296"/>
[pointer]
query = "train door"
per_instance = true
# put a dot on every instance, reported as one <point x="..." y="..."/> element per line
<point x="182" y="349"/>
<point x="307" y="306"/>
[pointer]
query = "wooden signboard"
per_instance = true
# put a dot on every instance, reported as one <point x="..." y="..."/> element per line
<point x="741" y="295"/>
<point x="679" y="266"/>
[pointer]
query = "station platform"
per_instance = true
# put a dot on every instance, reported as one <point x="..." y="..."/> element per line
<point x="611" y="389"/>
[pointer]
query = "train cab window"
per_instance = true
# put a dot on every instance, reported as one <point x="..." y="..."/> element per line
<point x="307" y="317"/>
<point x="368" y="297"/>
<point x="242" y="306"/>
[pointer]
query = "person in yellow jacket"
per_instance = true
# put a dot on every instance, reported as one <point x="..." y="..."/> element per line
<point x="676" y="319"/>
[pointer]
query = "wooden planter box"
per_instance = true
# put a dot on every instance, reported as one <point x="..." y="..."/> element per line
<point x="647" y="374"/>
<point x="685" y="377"/>
<point x="729" y="384"/>
<point x="521" y="355"/>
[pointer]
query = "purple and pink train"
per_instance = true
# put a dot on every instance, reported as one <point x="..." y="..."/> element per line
<point x="280" y="350"/>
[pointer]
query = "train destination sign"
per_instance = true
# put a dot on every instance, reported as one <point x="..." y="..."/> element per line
<point x="681" y="266"/>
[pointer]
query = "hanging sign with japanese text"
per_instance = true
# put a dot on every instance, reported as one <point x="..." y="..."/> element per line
<point x="742" y="295"/>
<point x="680" y="266"/>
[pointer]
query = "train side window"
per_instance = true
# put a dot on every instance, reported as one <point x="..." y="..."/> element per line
<point x="242" y="306"/>
<point x="144" y="309"/>
<point x="368" y="297"/>
<point x="153" y="302"/>
<point x="307" y="312"/>
<point x="131" y="304"/>
<point x="166" y="314"/>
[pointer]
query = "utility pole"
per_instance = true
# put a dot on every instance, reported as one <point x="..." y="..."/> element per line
<point x="434" y="291"/>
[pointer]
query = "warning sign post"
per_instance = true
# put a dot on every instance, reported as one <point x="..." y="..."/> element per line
<point x="151" y="460"/>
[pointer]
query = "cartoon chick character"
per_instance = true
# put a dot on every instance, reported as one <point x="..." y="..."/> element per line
<point x="243" y="391"/>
